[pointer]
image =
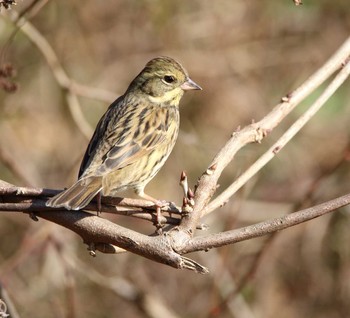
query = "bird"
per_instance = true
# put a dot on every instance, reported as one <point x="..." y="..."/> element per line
<point x="134" y="137"/>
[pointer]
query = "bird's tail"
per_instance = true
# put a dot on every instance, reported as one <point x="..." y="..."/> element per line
<point x="78" y="195"/>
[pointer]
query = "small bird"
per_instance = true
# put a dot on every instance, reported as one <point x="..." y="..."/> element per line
<point x="133" y="138"/>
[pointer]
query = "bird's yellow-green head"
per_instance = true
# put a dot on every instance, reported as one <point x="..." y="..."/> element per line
<point x="163" y="80"/>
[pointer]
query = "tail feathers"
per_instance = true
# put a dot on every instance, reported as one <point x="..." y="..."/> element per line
<point x="78" y="195"/>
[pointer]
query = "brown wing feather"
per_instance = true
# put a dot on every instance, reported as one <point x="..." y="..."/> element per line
<point x="99" y="133"/>
<point x="125" y="141"/>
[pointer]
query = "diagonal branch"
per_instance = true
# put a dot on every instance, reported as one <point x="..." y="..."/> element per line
<point x="207" y="184"/>
<point x="282" y="141"/>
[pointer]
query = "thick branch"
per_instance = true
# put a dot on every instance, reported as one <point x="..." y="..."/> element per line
<point x="168" y="247"/>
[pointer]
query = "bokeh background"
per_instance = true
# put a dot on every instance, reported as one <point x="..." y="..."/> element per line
<point x="245" y="55"/>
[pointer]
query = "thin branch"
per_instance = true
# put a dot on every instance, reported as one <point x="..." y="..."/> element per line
<point x="207" y="184"/>
<point x="281" y="142"/>
<point x="263" y="228"/>
<point x="95" y="229"/>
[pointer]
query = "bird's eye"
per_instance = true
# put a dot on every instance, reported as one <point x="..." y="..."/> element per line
<point x="169" y="79"/>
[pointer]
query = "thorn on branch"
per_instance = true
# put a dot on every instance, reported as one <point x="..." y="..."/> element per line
<point x="184" y="183"/>
<point x="186" y="207"/>
<point x="285" y="99"/>
<point x="188" y="199"/>
<point x="223" y="204"/>
<point x="276" y="150"/>
<point x="7" y="72"/>
<point x="211" y="169"/>
<point x="238" y="129"/>
<point x="260" y="134"/>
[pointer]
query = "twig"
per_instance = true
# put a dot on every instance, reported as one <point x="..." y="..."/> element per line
<point x="263" y="228"/>
<point x="282" y="141"/>
<point x="255" y="132"/>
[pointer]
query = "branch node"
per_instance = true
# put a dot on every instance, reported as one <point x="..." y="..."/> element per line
<point x="238" y="129"/>
<point x="285" y="99"/>
<point x="184" y="183"/>
<point x="260" y="134"/>
<point x="276" y="150"/>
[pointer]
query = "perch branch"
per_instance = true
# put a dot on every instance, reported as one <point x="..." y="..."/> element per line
<point x="169" y="247"/>
<point x="33" y="199"/>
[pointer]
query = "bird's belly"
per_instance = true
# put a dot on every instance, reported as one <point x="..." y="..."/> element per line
<point x="136" y="175"/>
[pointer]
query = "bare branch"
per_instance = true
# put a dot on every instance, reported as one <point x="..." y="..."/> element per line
<point x="285" y="138"/>
<point x="167" y="248"/>
<point x="229" y="237"/>
<point x="22" y="199"/>
<point x="255" y="132"/>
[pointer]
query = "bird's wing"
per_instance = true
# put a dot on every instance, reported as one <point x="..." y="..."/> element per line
<point x="98" y="136"/>
<point x="125" y="137"/>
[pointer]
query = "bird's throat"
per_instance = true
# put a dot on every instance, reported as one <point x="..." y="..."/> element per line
<point x="171" y="98"/>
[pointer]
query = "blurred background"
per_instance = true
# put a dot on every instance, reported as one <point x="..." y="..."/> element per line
<point x="246" y="55"/>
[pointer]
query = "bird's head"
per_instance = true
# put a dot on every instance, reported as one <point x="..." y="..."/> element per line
<point x="164" y="81"/>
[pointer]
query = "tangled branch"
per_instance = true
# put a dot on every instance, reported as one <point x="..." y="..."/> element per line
<point x="178" y="238"/>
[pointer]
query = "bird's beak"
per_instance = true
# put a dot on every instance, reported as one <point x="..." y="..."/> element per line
<point x="189" y="84"/>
